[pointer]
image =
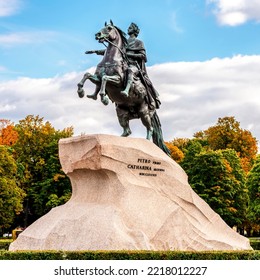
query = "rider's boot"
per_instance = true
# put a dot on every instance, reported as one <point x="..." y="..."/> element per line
<point x="126" y="90"/>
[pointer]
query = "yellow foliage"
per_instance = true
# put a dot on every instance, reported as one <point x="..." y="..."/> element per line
<point x="176" y="153"/>
<point x="8" y="136"/>
<point x="228" y="167"/>
<point x="232" y="209"/>
<point x="58" y="176"/>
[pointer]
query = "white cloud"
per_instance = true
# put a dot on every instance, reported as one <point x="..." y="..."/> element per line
<point x="2" y="69"/>
<point x="193" y="95"/>
<point x="206" y="91"/>
<point x="56" y="100"/>
<point x="174" y="23"/>
<point x="9" y="7"/>
<point x="6" y="108"/>
<point x="235" y="12"/>
<point x="12" y="39"/>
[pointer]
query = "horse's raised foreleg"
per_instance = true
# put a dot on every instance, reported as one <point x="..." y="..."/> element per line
<point x="80" y="85"/>
<point x="94" y="79"/>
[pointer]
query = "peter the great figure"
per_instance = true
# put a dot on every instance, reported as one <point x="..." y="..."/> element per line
<point x="136" y="55"/>
<point x="122" y="78"/>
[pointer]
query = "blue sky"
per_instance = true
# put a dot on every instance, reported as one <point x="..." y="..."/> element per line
<point x="45" y="38"/>
<point x="209" y="51"/>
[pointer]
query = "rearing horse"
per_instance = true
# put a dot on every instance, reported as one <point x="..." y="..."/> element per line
<point x="109" y="79"/>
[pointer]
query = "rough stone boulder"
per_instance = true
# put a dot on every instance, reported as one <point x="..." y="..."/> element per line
<point x="127" y="194"/>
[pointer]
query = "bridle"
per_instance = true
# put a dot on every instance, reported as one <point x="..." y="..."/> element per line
<point x="113" y="44"/>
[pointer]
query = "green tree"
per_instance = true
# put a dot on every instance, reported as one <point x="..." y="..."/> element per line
<point x="253" y="184"/>
<point x="192" y="148"/>
<point x="237" y="178"/>
<point x="37" y="151"/>
<point x="217" y="176"/>
<point x="11" y="196"/>
<point x="217" y="161"/>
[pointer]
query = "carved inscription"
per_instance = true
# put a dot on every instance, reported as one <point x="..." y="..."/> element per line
<point x="145" y="165"/>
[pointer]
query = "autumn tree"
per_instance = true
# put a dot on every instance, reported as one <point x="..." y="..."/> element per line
<point x="43" y="180"/>
<point x="227" y="134"/>
<point x="11" y="196"/>
<point x="176" y="153"/>
<point x="180" y="143"/>
<point x="8" y="135"/>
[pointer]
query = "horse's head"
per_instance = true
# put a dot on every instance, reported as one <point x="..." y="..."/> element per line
<point x="110" y="33"/>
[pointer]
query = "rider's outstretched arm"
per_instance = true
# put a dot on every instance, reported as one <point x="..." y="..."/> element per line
<point x="98" y="52"/>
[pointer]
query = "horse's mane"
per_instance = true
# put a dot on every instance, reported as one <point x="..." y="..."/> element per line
<point x="122" y="35"/>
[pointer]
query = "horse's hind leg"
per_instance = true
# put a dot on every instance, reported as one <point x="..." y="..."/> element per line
<point x="123" y="118"/>
<point x="145" y="116"/>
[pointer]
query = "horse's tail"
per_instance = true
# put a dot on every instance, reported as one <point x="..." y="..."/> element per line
<point x="157" y="134"/>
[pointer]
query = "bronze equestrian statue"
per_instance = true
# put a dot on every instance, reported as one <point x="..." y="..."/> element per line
<point x="121" y="77"/>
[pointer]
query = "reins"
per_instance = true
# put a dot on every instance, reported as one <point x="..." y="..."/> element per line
<point x="123" y="53"/>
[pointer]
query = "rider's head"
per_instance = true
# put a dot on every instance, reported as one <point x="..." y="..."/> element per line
<point x="133" y="29"/>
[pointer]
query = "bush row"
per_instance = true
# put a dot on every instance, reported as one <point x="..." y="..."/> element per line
<point x="255" y="244"/>
<point x="129" y="255"/>
<point x="4" y="244"/>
